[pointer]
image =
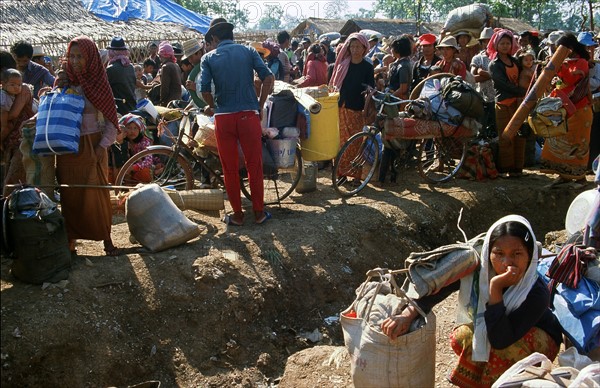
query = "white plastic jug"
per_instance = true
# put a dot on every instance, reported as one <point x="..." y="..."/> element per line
<point x="579" y="210"/>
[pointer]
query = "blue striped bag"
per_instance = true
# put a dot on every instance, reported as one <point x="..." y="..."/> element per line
<point x="58" y="123"/>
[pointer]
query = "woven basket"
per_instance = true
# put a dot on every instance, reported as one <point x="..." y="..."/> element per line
<point x="198" y="199"/>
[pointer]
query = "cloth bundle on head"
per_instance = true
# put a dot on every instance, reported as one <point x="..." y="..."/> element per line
<point x="492" y="47"/>
<point x="474" y="294"/>
<point x="342" y="60"/>
<point x="93" y="78"/>
<point x="273" y="48"/>
<point x="165" y="50"/>
<point x="119" y="55"/>
<point x="131" y="118"/>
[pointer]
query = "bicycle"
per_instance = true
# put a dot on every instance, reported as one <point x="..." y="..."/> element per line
<point x="179" y="164"/>
<point x="366" y="147"/>
<point x="440" y="156"/>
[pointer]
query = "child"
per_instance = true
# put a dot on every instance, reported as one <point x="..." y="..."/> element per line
<point x="12" y="81"/>
<point x="141" y="86"/>
<point x="149" y="66"/>
<point x="527" y="61"/>
<point x="135" y="135"/>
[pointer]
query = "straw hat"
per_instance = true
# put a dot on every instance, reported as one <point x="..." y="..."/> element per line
<point x="191" y="47"/>
<point x="486" y="33"/>
<point x="555" y="36"/>
<point x="449" y="41"/>
<point x="258" y="46"/>
<point x="472" y="40"/>
<point x="38" y="51"/>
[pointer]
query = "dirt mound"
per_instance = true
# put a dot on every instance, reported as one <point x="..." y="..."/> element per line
<point x="239" y="305"/>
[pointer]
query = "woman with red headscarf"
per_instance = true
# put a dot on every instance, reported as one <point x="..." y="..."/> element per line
<point x="170" y="74"/>
<point x="505" y="69"/>
<point x="351" y="72"/>
<point x="88" y="211"/>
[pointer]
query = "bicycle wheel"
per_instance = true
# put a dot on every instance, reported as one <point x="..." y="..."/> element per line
<point x="279" y="184"/>
<point x="168" y="169"/>
<point x="361" y="151"/>
<point x="441" y="158"/>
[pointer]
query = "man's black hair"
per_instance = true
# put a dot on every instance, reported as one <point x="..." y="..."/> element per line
<point x="282" y="36"/>
<point x="22" y="49"/>
<point x="7" y="61"/>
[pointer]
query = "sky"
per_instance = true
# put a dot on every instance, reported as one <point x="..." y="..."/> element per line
<point x="307" y="8"/>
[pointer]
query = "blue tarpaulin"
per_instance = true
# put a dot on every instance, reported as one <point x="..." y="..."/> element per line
<point x="154" y="10"/>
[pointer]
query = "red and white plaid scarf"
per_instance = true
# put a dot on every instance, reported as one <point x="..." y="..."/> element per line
<point x="93" y="79"/>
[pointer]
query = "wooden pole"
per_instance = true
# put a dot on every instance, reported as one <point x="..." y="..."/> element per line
<point x="78" y="186"/>
<point x="536" y="92"/>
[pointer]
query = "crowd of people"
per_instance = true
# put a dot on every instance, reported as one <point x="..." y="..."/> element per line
<point x="500" y="64"/>
<point x="232" y="81"/>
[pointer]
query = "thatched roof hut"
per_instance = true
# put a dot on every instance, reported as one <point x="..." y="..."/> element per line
<point x="313" y="27"/>
<point x="52" y="24"/>
<point x="386" y="27"/>
<point x="512" y="24"/>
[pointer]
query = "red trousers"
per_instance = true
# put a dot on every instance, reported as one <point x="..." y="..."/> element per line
<point x="243" y="127"/>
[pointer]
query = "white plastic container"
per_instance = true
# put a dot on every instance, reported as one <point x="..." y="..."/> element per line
<point x="579" y="210"/>
<point x="148" y="107"/>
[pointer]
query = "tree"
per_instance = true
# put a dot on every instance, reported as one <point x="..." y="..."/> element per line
<point x="272" y="18"/>
<point x="362" y="14"/>
<point x="230" y="10"/>
<point x="334" y="9"/>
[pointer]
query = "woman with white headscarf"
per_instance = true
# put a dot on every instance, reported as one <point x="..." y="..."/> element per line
<point x="351" y="72"/>
<point x="503" y="308"/>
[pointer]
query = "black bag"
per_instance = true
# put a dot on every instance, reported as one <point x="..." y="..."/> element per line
<point x="284" y="109"/>
<point x="35" y="233"/>
<point x="463" y="97"/>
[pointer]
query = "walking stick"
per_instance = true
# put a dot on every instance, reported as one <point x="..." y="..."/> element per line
<point x="536" y="92"/>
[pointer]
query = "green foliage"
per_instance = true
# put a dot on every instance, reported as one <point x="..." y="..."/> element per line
<point x="218" y="8"/>
<point x="362" y="13"/>
<point x="542" y="14"/>
<point x="335" y="9"/>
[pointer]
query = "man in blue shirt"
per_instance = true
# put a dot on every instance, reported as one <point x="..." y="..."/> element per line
<point x="237" y="111"/>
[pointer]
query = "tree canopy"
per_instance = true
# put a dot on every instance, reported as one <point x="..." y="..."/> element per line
<point x="574" y="15"/>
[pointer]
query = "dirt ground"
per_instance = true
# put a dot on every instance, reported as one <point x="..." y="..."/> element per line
<point x="251" y="306"/>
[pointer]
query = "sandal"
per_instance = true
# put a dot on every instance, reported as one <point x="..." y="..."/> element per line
<point x="228" y="219"/>
<point x="267" y="217"/>
<point x="113" y="252"/>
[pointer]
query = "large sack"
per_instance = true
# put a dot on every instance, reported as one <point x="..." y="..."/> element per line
<point x="462" y="96"/>
<point x="470" y="16"/>
<point x="377" y="361"/>
<point x="35" y="232"/>
<point x="155" y="221"/>
<point x="440" y="108"/>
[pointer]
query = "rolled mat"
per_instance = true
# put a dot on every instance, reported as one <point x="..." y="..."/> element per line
<point x="308" y="102"/>
<point x="302" y="96"/>
<point x="197" y="199"/>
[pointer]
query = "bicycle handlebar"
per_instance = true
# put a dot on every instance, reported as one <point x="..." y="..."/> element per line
<point x="396" y="100"/>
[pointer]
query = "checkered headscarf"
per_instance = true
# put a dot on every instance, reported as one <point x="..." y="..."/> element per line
<point x="93" y="79"/>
